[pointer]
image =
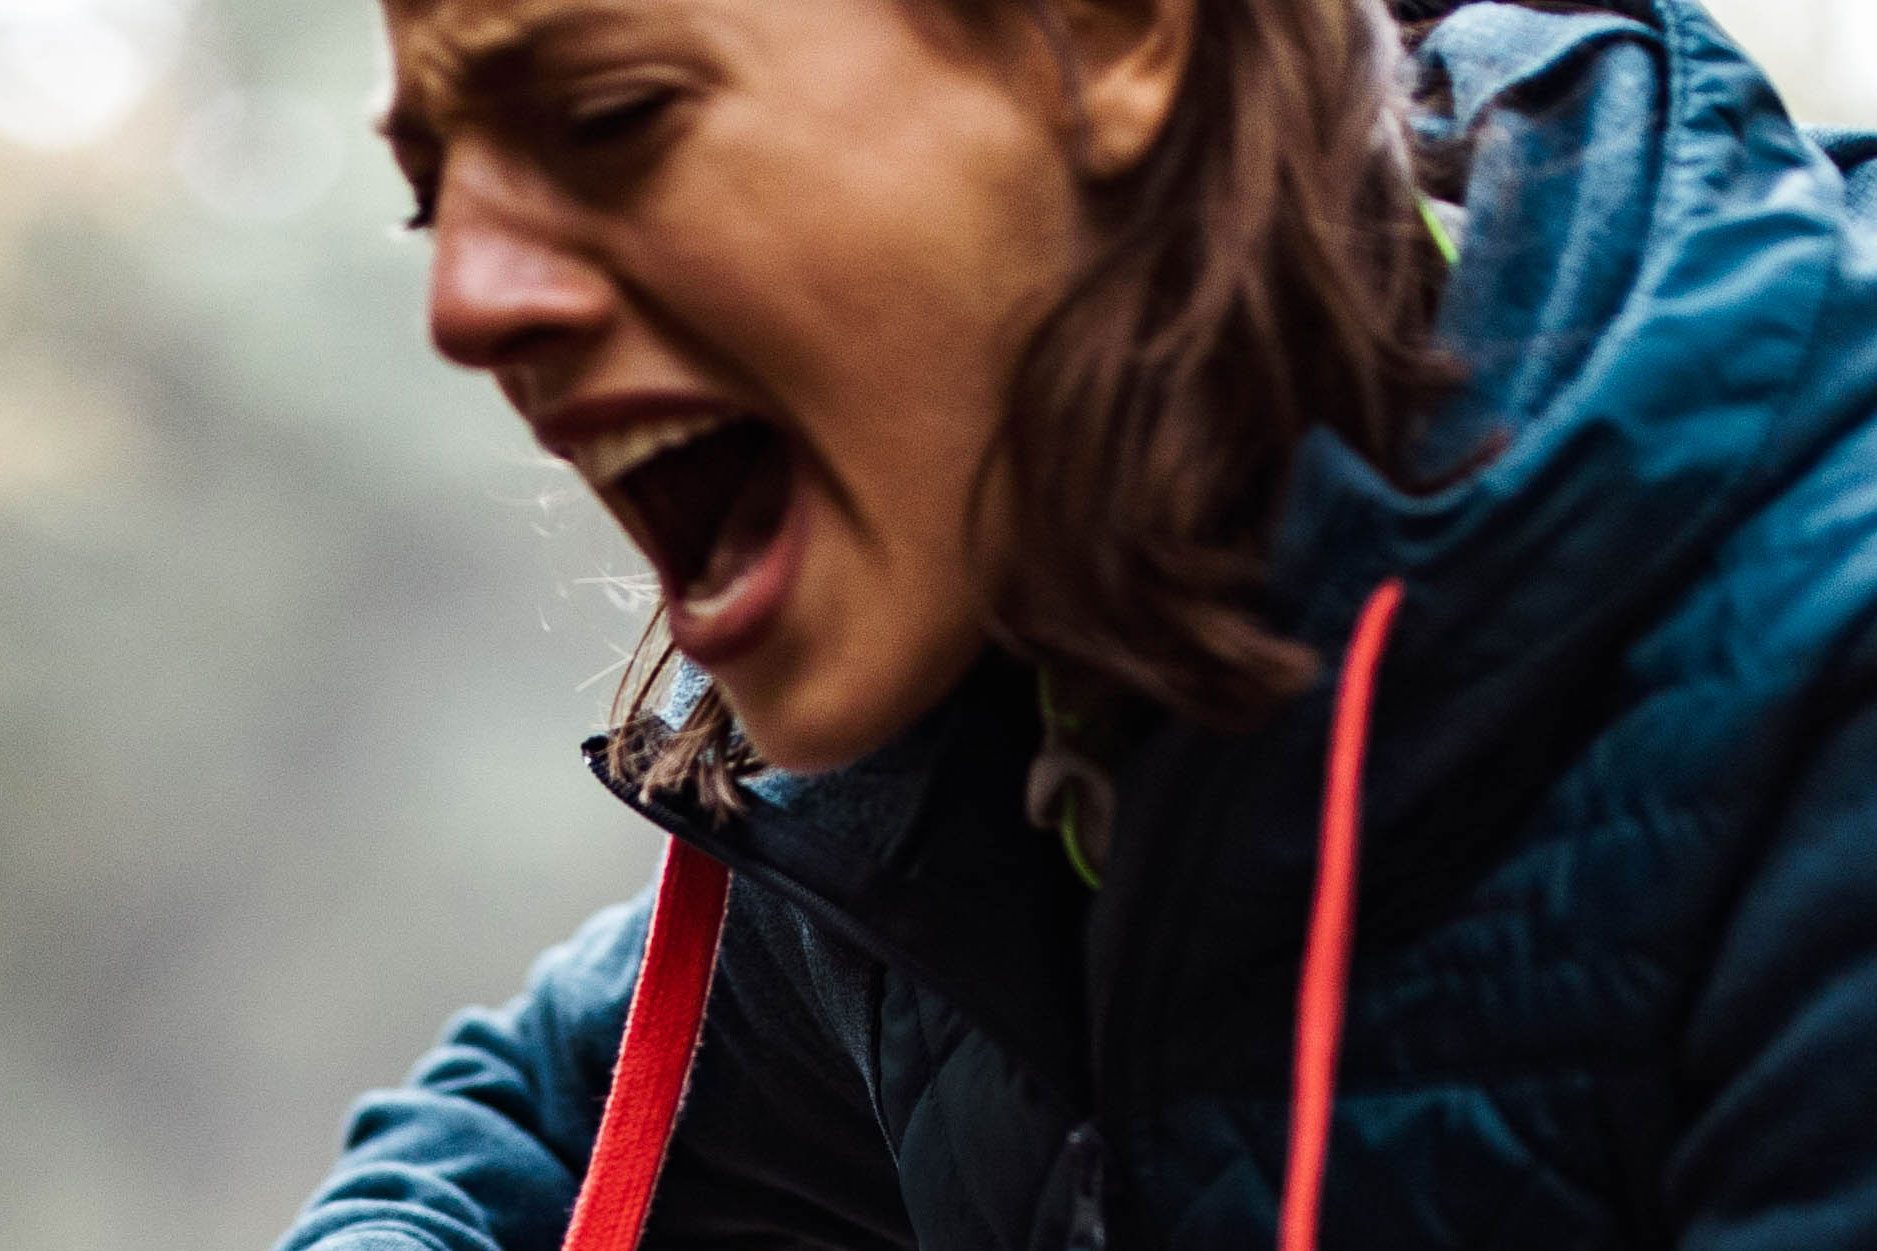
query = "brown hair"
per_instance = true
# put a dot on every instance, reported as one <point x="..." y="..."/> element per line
<point x="1267" y="268"/>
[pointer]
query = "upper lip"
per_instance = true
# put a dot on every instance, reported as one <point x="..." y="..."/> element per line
<point x="566" y="425"/>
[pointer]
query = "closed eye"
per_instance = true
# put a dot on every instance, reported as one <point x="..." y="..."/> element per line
<point x="618" y="119"/>
<point x="612" y="120"/>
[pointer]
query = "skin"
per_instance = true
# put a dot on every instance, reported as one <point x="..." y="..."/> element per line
<point x="846" y="215"/>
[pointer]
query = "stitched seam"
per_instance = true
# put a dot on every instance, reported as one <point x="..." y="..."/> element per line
<point x="876" y="1010"/>
<point x="430" y="1241"/>
<point x="942" y="1116"/>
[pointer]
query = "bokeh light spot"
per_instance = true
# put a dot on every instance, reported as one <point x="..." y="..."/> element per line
<point x="68" y="79"/>
<point x="260" y="156"/>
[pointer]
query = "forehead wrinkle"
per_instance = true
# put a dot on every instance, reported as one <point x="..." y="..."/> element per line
<point x="459" y="50"/>
<point x="445" y="56"/>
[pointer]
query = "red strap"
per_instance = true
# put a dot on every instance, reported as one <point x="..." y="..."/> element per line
<point x="1324" y="984"/>
<point x="662" y="1029"/>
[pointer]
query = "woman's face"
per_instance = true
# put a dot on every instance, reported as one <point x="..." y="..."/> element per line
<point x="760" y="270"/>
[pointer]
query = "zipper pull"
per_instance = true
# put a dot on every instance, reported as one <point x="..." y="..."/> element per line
<point x="1088" y="1229"/>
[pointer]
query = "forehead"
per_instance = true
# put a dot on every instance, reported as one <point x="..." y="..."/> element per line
<point x="445" y="50"/>
<point x="448" y="55"/>
<point x="476" y="29"/>
<point x="475" y="15"/>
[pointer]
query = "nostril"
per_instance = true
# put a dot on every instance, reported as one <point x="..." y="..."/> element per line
<point x="521" y="345"/>
<point x="475" y="330"/>
<point x="497" y="297"/>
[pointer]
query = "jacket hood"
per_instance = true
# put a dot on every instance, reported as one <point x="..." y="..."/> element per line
<point x="1666" y="309"/>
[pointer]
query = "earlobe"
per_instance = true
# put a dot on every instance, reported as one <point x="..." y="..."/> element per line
<point x="1129" y="59"/>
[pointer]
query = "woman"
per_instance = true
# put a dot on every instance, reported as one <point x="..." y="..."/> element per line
<point x="1106" y="412"/>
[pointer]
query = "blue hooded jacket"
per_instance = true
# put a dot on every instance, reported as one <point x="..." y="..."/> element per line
<point x="1615" y="971"/>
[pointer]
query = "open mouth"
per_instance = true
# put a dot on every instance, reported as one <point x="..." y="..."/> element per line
<point x="709" y="506"/>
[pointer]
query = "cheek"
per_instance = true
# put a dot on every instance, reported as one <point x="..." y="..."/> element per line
<point x="888" y="323"/>
<point x="883" y="264"/>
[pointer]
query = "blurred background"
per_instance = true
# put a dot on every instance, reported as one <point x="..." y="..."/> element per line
<point x="298" y="636"/>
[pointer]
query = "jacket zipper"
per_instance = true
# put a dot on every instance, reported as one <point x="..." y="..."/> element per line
<point x="1088" y="1227"/>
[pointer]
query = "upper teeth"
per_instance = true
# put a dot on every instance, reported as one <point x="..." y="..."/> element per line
<point x="612" y="454"/>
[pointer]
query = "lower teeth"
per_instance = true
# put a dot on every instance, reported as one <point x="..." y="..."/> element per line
<point x="712" y="605"/>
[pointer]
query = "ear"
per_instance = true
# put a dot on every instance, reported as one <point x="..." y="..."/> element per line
<point x="1129" y="58"/>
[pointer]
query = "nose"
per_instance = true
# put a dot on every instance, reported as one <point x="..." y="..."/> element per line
<point x="506" y="283"/>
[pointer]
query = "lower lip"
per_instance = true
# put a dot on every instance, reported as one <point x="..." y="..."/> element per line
<point x="741" y="625"/>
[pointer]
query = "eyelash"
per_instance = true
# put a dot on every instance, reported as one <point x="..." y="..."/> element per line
<point x="623" y="121"/>
<point x="425" y="214"/>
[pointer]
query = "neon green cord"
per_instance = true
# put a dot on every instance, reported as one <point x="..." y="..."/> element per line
<point x="1072" y="844"/>
<point x="1067" y="824"/>
<point x="1438" y="229"/>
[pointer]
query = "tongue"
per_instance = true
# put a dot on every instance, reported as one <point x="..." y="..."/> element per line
<point x="746" y="530"/>
<point x="711" y="506"/>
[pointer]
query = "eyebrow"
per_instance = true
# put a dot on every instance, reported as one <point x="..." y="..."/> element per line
<point x="400" y="124"/>
<point x="468" y="62"/>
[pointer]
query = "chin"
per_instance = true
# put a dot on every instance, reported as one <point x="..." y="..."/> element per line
<point x="818" y="699"/>
<point x="820" y="726"/>
<point x="816" y="739"/>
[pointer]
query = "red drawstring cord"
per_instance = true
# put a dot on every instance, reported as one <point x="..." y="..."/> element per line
<point x="662" y="1029"/>
<point x="1324" y="984"/>
<point x="667" y="1013"/>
